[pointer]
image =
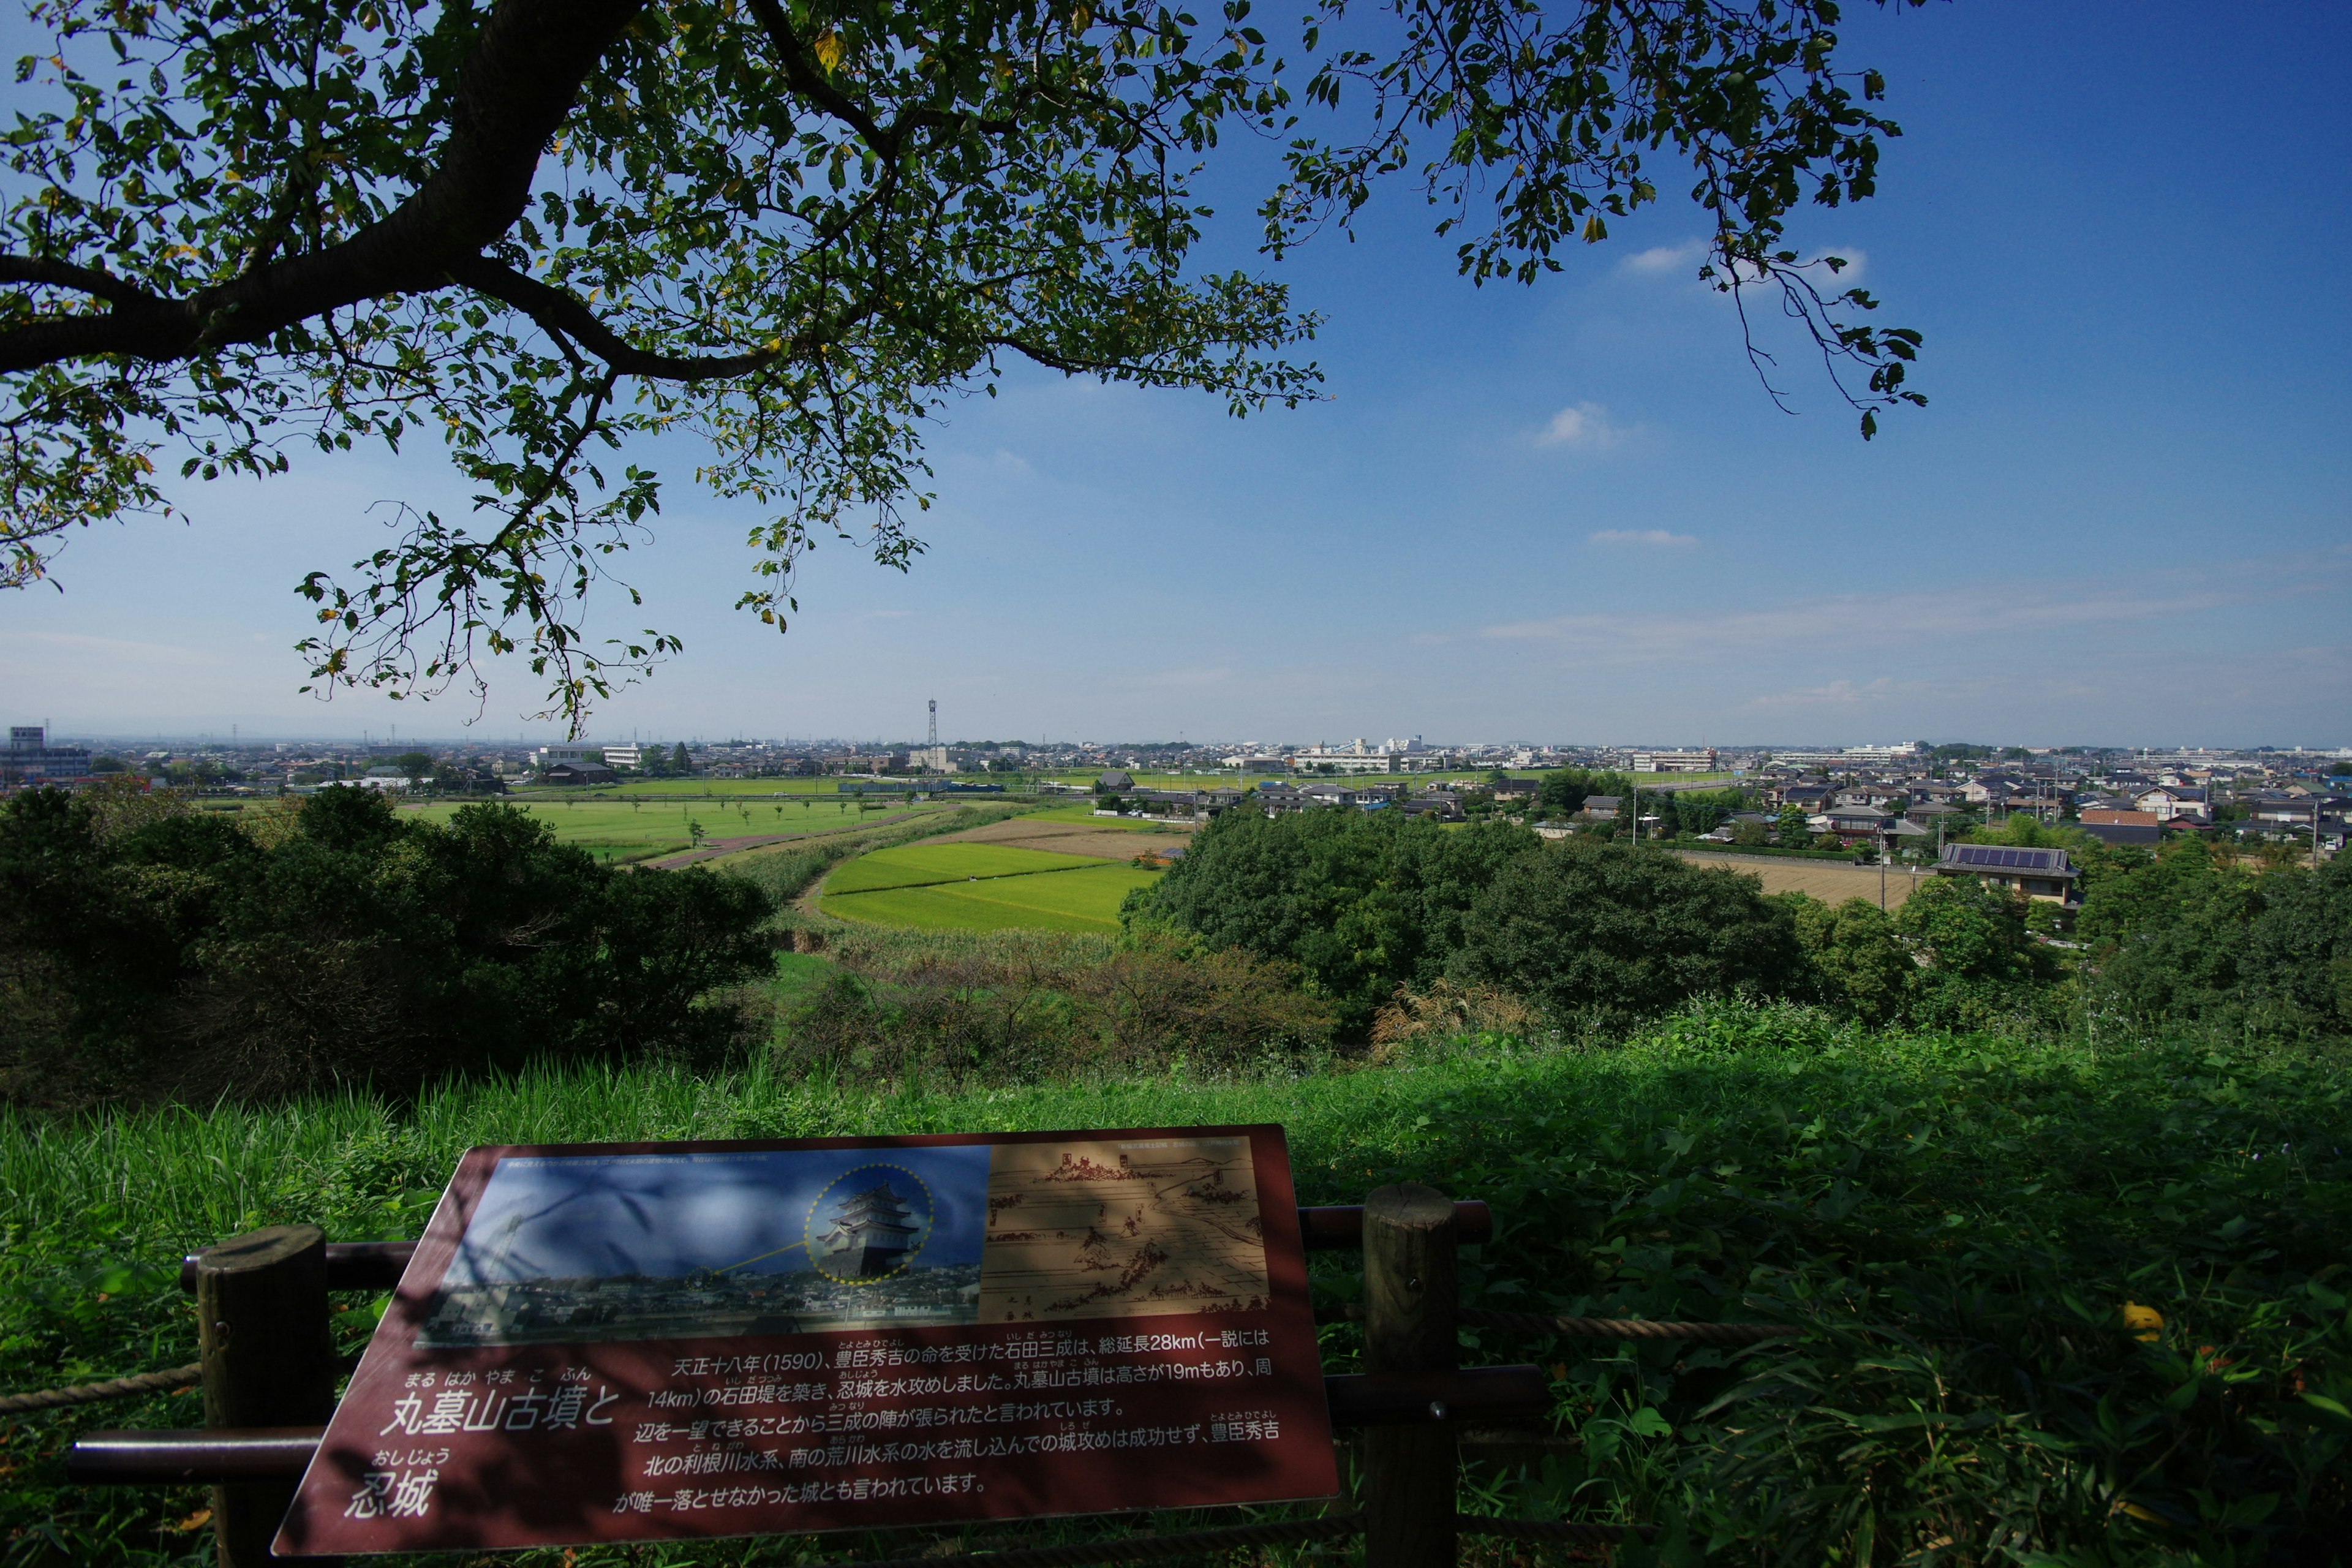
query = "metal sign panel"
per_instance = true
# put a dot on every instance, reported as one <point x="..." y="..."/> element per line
<point x="640" y="1342"/>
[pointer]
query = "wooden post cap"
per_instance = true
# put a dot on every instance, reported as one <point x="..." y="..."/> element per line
<point x="264" y="1248"/>
<point x="1409" y="1205"/>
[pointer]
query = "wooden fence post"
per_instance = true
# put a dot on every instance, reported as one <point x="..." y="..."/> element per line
<point x="269" y="1359"/>
<point x="1410" y="1304"/>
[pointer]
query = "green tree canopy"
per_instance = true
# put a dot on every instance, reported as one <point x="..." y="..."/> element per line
<point x="543" y="232"/>
<point x="1858" y="961"/>
<point x="1362" y="901"/>
<point x="1609" y="931"/>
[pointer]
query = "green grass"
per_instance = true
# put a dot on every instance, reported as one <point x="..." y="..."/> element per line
<point x="913" y="864"/>
<point x="1079" y="900"/>
<point x="1955" y="1221"/>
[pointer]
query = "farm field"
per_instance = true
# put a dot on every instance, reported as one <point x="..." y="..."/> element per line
<point x="917" y="865"/>
<point x="1103" y="838"/>
<point x="981" y="887"/>
<point x="638" y="830"/>
<point x="1083" y="811"/>
<point x="1823" y="879"/>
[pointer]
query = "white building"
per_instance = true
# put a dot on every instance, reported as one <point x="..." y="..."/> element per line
<point x="1674" y="761"/>
<point x="586" y="754"/>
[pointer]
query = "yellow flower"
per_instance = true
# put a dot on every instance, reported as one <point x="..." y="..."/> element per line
<point x="2144" y="1322"/>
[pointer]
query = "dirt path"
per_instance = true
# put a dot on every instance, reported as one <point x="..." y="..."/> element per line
<point x="1825" y="880"/>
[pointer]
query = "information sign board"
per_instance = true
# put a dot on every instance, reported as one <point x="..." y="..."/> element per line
<point x="633" y="1342"/>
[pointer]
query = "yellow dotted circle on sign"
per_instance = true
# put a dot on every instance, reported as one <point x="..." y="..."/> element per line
<point x="858" y="1178"/>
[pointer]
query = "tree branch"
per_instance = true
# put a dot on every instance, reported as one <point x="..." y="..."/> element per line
<point x="516" y="89"/>
<point x="561" y="313"/>
<point x="66" y="275"/>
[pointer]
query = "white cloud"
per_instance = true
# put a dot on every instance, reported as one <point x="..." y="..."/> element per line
<point x="1838" y="694"/>
<point x="1660" y="259"/>
<point x="1585" y="427"/>
<point x="1177" y="679"/>
<point x="1847" y="276"/>
<point x="1650" y="538"/>
<point x="1885" y="620"/>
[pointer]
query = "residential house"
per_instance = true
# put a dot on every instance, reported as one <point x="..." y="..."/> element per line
<point x="1810" y="799"/>
<point x="2172" y="801"/>
<point x="2036" y="873"/>
<point x="2139" y="829"/>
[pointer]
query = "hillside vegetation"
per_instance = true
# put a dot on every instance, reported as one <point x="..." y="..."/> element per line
<point x="1959" y="1222"/>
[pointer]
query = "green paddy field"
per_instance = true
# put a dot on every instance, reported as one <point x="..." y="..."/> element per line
<point x="982" y="887"/>
<point x="638" y="827"/>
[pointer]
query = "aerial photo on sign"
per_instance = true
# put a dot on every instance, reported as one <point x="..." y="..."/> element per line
<point x="570" y="1248"/>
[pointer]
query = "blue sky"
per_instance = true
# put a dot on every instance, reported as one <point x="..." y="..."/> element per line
<point x="565" y="1217"/>
<point x="1558" y="513"/>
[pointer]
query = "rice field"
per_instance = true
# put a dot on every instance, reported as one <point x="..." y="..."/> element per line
<point x="982" y="887"/>
<point x="635" y="828"/>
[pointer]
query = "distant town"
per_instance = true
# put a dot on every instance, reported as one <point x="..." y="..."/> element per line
<point x="1895" y="798"/>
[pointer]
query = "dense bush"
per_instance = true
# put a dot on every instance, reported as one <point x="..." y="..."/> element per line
<point x="148" y="952"/>
<point x="1598" y="932"/>
<point x="1018" y="1007"/>
<point x="1362" y="902"/>
<point x="2191" y="937"/>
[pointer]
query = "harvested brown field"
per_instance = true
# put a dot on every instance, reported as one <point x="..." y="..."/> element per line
<point x="1073" y="837"/>
<point x="1826" y="881"/>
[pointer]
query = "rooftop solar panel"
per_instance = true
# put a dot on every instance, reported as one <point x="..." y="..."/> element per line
<point x="2002" y="858"/>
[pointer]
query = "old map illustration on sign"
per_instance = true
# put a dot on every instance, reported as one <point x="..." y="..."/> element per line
<point x="1122" y="1229"/>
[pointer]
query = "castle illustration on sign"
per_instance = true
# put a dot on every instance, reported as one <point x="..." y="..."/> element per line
<point x="869" y="1238"/>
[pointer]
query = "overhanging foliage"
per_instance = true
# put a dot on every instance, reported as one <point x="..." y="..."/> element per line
<point x="543" y="233"/>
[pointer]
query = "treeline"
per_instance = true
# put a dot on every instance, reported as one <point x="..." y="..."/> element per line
<point x="151" y="951"/>
<point x="1395" y="921"/>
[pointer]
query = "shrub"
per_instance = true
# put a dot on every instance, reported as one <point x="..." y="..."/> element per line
<point x="1444" y="1010"/>
<point x="183" y="956"/>
<point x="1013" y="1005"/>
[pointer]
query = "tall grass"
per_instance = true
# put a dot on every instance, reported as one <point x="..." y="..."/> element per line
<point x="1956" y="1221"/>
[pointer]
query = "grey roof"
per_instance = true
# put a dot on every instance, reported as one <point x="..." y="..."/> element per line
<point x="2003" y="858"/>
